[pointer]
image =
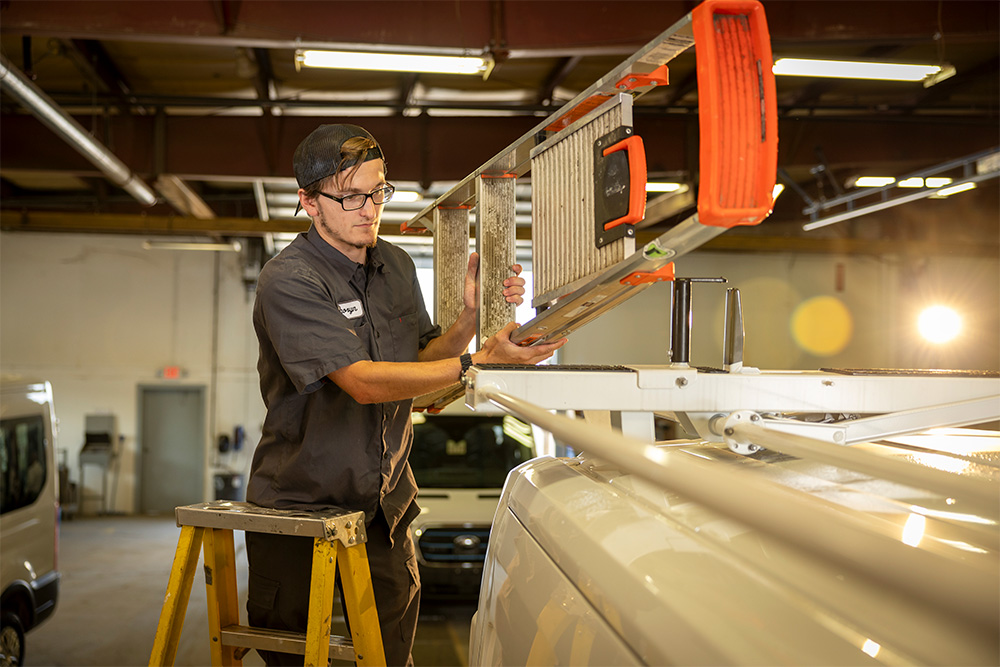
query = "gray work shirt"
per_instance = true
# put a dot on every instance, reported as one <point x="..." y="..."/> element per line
<point x="317" y="311"/>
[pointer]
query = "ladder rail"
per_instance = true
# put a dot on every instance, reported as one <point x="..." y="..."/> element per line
<point x="515" y="158"/>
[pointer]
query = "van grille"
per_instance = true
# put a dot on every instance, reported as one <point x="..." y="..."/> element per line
<point x="453" y="546"/>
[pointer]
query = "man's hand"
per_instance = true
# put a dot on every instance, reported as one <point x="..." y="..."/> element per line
<point x="470" y="295"/>
<point x="513" y="287"/>
<point x="500" y="350"/>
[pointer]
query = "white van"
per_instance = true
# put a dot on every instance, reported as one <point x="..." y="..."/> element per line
<point x="29" y="513"/>
<point x="460" y="460"/>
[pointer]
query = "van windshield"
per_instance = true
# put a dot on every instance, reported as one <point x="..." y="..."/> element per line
<point x="467" y="451"/>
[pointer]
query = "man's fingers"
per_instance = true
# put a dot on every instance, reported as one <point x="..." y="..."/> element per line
<point x="514" y="294"/>
<point x="473" y="264"/>
<point x="548" y="348"/>
<point x="536" y="353"/>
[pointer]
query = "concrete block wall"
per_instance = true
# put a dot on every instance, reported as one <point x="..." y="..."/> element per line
<point x="98" y="316"/>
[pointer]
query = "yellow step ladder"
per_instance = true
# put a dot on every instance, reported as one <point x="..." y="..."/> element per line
<point x="337" y="534"/>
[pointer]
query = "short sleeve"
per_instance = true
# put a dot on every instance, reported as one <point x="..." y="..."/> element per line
<point x="305" y="327"/>
<point x="425" y="330"/>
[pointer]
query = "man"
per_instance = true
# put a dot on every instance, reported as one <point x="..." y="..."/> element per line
<point x="345" y="344"/>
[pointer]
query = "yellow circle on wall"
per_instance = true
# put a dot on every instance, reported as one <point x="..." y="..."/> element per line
<point x="822" y="325"/>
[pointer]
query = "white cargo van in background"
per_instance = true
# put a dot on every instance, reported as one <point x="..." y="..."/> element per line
<point x="29" y="513"/>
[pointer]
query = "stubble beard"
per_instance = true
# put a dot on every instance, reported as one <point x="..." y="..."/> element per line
<point x="321" y="221"/>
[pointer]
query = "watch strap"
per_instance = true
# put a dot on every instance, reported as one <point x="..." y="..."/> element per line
<point x="466" y="360"/>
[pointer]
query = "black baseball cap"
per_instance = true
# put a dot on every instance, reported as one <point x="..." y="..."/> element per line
<point x="319" y="155"/>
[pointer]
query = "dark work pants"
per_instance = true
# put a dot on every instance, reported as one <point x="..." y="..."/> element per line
<point x="278" y="597"/>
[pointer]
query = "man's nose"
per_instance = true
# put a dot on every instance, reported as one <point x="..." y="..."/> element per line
<point x="369" y="209"/>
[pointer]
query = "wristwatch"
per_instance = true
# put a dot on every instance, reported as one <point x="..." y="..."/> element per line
<point x="466" y="360"/>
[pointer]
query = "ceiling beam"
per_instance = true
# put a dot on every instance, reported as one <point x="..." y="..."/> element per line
<point x="99" y="69"/>
<point x="746" y="241"/>
<point x="555" y="79"/>
<point x="443" y="149"/>
<point x="264" y="76"/>
<point x="527" y="25"/>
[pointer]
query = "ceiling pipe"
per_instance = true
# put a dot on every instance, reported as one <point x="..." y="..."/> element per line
<point x="18" y="86"/>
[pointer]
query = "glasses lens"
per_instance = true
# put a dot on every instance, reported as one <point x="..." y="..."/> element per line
<point x="382" y="195"/>
<point x="353" y="202"/>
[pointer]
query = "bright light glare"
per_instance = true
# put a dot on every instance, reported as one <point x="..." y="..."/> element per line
<point x="873" y="181"/>
<point x="913" y="530"/>
<point x="392" y="62"/>
<point x="911" y="183"/>
<point x="939" y="324"/>
<point x="776" y="191"/>
<point x="663" y="187"/>
<point x="844" y="69"/>
<point x="871" y="648"/>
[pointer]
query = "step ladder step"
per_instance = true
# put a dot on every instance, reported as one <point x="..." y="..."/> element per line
<point x="282" y="641"/>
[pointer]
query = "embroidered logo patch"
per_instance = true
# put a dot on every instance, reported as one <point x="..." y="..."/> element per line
<point x="351" y="309"/>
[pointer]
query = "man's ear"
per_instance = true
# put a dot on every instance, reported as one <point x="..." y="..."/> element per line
<point x="308" y="203"/>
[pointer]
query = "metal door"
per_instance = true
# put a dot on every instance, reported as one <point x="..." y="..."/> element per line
<point x="172" y="427"/>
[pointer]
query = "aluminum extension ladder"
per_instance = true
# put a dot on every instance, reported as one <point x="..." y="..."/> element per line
<point x="337" y="534"/>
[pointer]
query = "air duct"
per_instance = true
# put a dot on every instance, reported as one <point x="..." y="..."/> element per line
<point x="32" y="98"/>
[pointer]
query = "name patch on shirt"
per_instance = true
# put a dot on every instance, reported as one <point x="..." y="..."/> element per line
<point x="351" y="309"/>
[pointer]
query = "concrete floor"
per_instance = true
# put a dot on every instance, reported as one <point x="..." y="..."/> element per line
<point x="114" y="575"/>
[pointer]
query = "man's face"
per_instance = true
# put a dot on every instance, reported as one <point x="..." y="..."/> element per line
<point x="350" y="232"/>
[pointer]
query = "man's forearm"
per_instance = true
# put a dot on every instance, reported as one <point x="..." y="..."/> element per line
<point x="384" y="381"/>
<point x="453" y="342"/>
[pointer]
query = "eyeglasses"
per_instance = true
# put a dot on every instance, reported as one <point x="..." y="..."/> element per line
<point x="354" y="202"/>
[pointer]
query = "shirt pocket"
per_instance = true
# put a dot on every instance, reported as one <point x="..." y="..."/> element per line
<point x="405" y="337"/>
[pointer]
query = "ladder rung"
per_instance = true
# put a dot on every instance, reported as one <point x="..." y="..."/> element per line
<point x="281" y="641"/>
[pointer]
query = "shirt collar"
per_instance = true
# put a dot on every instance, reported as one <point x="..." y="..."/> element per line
<point x="340" y="260"/>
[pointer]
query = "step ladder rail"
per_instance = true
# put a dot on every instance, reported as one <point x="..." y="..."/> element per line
<point x="175" y="601"/>
<point x="321" y="587"/>
<point x="359" y="598"/>
<point x="220" y="587"/>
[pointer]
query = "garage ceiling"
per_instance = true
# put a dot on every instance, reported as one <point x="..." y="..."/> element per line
<point x="205" y="95"/>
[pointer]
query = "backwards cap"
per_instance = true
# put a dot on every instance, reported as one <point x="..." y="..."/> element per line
<point x="318" y="156"/>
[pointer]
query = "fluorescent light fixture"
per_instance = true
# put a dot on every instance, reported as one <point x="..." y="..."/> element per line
<point x="873" y="181"/>
<point x="954" y="190"/>
<point x="846" y="69"/>
<point x="405" y="196"/>
<point x="917" y="182"/>
<point x="235" y="246"/>
<point x="663" y="187"/>
<point x="937" y="182"/>
<point x="777" y="190"/>
<point x="392" y="62"/>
